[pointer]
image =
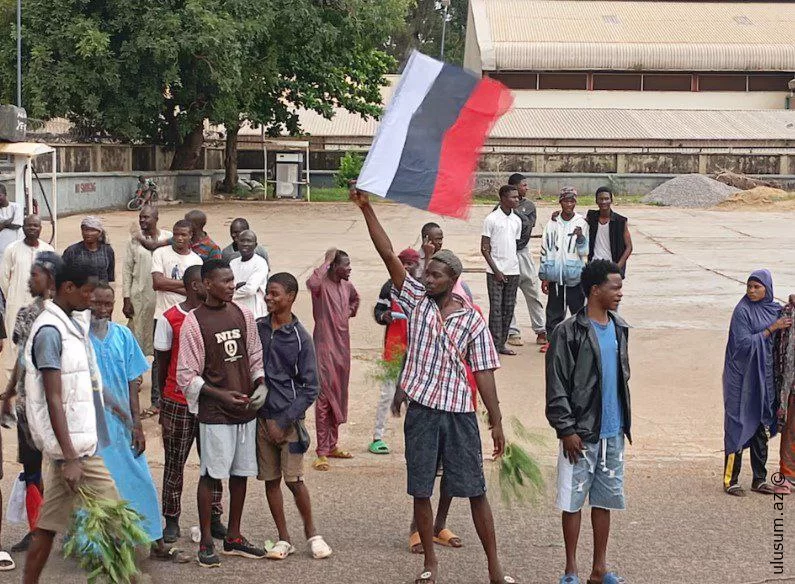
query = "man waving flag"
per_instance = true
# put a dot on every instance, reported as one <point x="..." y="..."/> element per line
<point x="427" y="146"/>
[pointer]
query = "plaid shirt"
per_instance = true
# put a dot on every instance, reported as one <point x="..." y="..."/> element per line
<point x="434" y="374"/>
<point x="207" y="249"/>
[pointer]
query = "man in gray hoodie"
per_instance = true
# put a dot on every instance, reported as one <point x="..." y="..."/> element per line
<point x="282" y="440"/>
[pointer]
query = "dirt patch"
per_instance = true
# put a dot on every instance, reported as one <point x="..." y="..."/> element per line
<point x="759" y="198"/>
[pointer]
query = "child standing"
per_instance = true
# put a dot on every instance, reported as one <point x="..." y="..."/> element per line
<point x="282" y="440"/>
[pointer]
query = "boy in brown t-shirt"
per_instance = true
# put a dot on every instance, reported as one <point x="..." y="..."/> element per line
<point x="220" y="371"/>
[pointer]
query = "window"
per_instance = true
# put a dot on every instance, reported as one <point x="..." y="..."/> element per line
<point x="516" y="80"/>
<point x="617" y="81"/>
<point x="662" y="82"/>
<point x="762" y="82"/>
<point x="718" y="82"/>
<point x="562" y="81"/>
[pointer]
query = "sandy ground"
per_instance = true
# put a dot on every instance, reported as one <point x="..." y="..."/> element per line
<point x="683" y="280"/>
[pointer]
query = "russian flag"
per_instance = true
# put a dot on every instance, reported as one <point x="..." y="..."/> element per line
<point x="427" y="147"/>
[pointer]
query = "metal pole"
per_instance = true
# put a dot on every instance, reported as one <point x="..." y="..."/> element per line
<point x="444" y="27"/>
<point x="19" y="53"/>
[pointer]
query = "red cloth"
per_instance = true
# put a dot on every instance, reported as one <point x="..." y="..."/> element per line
<point x="397" y="335"/>
<point x="175" y="318"/>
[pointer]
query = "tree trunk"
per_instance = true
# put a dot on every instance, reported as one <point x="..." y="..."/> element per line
<point x="230" y="158"/>
<point x="186" y="155"/>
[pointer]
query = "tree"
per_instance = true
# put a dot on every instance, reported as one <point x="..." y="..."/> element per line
<point x="422" y="30"/>
<point x="158" y="70"/>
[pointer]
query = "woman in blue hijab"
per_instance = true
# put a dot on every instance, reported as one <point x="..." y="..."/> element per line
<point x="748" y="389"/>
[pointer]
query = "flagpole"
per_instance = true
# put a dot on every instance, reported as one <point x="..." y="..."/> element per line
<point x="19" y="54"/>
<point x="445" y="4"/>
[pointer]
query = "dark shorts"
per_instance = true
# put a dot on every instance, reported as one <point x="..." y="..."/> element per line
<point x="436" y="437"/>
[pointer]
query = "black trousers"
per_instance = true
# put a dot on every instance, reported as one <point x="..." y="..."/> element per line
<point x="502" y="301"/>
<point x="558" y="299"/>
<point x="734" y="461"/>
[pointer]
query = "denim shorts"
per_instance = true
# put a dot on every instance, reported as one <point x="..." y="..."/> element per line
<point x="598" y="474"/>
<point x="435" y="437"/>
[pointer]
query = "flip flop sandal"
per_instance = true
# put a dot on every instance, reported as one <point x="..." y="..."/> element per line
<point x="6" y="562"/>
<point x="415" y="543"/>
<point x="425" y="578"/>
<point x="378" y="447"/>
<point x="782" y="489"/>
<point x="509" y="352"/>
<point x="171" y="555"/>
<point x="340" y="453"/>
<point x="448" y="539"/>
<point x="149" y="412"/>
<point x="508" y="580"/>
<point x="569" y="579"/>
<point x="609" y="578"/>
<point x="764" y="489"/>
<point x="321" y="463"/>
<point x="319" y="548"/>
<point x="736" y="491"/>
<point x="280" y="550"/>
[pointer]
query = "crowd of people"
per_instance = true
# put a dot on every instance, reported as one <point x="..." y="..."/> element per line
<point x="234" y="373"/>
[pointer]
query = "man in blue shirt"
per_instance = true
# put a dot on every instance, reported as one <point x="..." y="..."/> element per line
<point x="588" y="405"/>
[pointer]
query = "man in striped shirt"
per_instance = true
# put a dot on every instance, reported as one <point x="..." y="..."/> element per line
<point x="445" y="335"/>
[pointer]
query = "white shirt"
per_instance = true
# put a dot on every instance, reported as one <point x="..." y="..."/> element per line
<point x="172" y="265"/>
<point x="503" y="231"/>
<point x="14" y="212"/>
<point x="164" y="334"/>
<point x="254" y="274"/>
<point x="601" y="247"/>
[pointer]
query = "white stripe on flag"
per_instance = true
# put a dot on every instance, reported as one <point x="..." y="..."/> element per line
<point x="382" y="161"/>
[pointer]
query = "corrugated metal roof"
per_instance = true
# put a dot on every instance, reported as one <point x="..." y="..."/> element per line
<point x="601" y="124"/>
<point x="652" y="125"/>
<point x="597" y="35"/>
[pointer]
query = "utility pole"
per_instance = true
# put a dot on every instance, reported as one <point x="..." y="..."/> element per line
<point x="444" y="6"/>
<point x="19" y="54"/>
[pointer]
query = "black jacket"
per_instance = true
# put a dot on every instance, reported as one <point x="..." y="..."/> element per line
<point x="618" y="223"/>
<point x="574" y="378"/>
<point x="290" y="371"/>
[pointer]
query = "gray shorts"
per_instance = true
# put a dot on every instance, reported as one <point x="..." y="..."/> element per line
<point x="228" y="450"/>
<point x="598" y="474"/>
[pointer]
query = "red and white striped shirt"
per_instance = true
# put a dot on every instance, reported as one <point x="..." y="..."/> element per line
<point x="434" y="373"/>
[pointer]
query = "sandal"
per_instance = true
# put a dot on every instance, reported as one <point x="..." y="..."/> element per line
<point x="167" y="554"/>
<point x="319" y="548"/>
<point x="415" y="543"/>
<point x="764" y="488"/>
<point x="6" y="562"/>
<point x="507" y="580"/>
<point x="448" y="539"/>
<point x="569" y="579"/>
<point x="426" y="577"/>
<point x="505" y="351"/>
<point x="340" y="453"/>
<point x="321" y="463"/>
<point x="544" y="348"/>
<point x="736" y="491"/>
<point x="378" y="447"/>
<point x="150" y="412"/>
<point x="280" y="550"/>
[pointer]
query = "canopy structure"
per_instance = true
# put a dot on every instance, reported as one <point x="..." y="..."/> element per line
<point x="24" y="153"/>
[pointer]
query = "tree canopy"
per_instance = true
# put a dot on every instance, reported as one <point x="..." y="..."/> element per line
<point x="155" y="70"/>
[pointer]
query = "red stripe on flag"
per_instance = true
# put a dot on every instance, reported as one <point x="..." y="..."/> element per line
<point x="461" y="146"/>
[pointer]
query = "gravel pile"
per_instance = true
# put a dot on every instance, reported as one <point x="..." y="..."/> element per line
<point x="690" y="190"/>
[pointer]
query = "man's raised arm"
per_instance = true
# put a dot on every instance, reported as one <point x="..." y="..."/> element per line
<point x="380" y="239"/>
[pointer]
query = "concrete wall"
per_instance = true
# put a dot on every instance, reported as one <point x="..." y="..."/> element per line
<point x="709" y="100"/>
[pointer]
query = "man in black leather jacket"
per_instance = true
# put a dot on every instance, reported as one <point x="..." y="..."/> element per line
<point x="587" y="374"/>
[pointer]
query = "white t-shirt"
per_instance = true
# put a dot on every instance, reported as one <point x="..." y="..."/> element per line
<point x="601" y="247"/>
<point x="254" y="273"/>
<point x="503" y="231"/>
<point x="7" y="236"/>
<point x="172" y="265"/>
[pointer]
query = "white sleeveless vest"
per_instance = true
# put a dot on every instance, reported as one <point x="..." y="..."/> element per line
<point x="76" y="388"/>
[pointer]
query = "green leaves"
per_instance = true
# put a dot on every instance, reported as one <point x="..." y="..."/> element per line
<point x="102" y="538"/>
<point x="518" y="475"/>
<point x="350" y="166"/>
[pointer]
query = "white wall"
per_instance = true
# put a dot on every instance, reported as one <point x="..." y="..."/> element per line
<point x="707" y="100"/>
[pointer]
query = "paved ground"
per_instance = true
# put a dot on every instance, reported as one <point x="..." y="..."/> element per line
<point x="683" y="281"/>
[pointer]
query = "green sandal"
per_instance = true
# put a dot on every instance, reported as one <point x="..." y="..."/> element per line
<point x="378" y="447"/>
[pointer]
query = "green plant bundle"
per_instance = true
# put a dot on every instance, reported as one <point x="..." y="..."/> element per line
<point x="389" y="370"/>
<point x="102" y="537"/>
<point x="518" y="474"/>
